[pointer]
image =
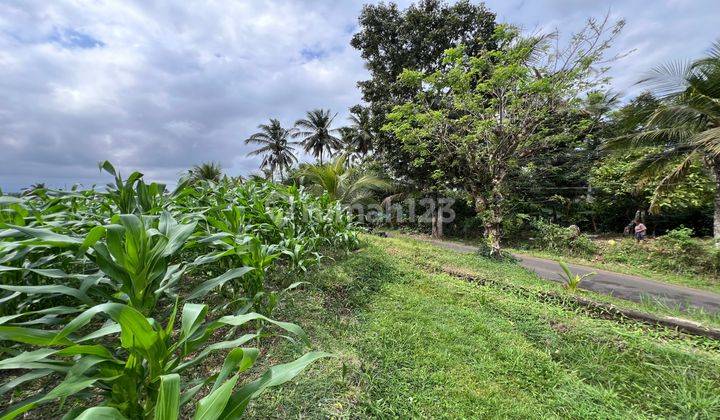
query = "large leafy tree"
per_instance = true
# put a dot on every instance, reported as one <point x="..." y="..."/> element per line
<point x="477" y="117"/>
<point x="391" y="40"/>
<point x="317" y="133"/>
<point x="275" y="146"/>
<point x="684" y="129"/>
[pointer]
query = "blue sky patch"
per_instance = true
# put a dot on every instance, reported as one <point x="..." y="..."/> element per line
<point x="70" y="38"/>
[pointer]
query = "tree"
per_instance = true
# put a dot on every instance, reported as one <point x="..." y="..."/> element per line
<point x="361" y="127"/>
<point x="391" y="40"/>
<point x="476" y="117"/>
<point x="275" y="145"/>
<point x="316" y="133"/>
<point x="684" y="129"/>
<point x="347" y="185"/>
<point x="348" y="145"/>
<point x="207" y="171"/>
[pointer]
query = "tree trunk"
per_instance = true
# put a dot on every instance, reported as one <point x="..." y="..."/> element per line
<point x="716" y="216"/>
<point x="492" y="215"/>
<point x="493" y="232"/>
<point x="437" y="222"/>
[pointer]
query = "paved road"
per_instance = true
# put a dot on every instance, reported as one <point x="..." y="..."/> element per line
<point x="619" y="285"/>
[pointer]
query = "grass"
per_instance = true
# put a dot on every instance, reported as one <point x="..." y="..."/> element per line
<point x="623" y="255"/>
<point x="415" y="342"/>
<point x="633" y="264"/>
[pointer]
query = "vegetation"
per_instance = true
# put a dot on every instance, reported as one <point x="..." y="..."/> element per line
<point x="275" y="146"/>
<point x="317" y="134"/>
<point x="94" y="282"/>
<point x="571" y="281"/>
<point x="683" y="128"/>
<point x="341" y="183"/>
<point x="210" y="171"/>
<point x="416" y="342"/>
<point x="137" y="302"/>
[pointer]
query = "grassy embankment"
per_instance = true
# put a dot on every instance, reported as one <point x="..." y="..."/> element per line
<point x="685" y="266"/>
<point x="413" y="341"/>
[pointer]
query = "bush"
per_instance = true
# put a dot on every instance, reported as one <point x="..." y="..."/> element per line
<point x="562" y="240"/>
<point x="675" y="252"/>
<point x="678" y="251"/>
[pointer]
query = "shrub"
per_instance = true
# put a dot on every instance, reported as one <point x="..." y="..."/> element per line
<point x="562" y="240"/>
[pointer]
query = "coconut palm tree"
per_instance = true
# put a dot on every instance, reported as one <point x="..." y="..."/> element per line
<point x="684" y="129"/>
<point x="341" y="183"/>
<point x="361" y="126"/>
<point x="207" y="171"/>
<point x="275" y="145"/>
<point x="348" y="146"/>
<point x="317" y="136"/>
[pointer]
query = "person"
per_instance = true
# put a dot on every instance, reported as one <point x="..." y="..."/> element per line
<point x="640" y="231"/>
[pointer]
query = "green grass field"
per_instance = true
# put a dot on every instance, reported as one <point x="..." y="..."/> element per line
<point x="414" y="342"/>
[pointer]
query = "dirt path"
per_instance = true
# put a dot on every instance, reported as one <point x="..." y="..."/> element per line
<point x="619" y="285"/>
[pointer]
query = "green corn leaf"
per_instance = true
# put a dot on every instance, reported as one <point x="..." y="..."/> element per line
<point x="48" y="237"/>
<point x="223" y="345"/>
<point x="70" y="386"/>
<point x="50" y="289"/>
<point x="95" y="234"/>
<point x="218" y="281"/>
<point x="30" y="376"/>
<point x="33" y="336"/>
<point x="58" y="310"/>
<point x="276" y="375"/>
<point x="237" y="360"/>
<point x="136" y="331"/>
<point x="213" y="405"/>
<point x="6" y="200"/>
<point x="237" y="320"/>
<point x="112" y="328"/>
<point x="107" y="167"/>
<point x="101" y="413"/>
<point x="167" y="406"/>
<point x="193" y="315"/>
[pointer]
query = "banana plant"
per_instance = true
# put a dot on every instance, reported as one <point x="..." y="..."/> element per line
<point x="142" y="371"/>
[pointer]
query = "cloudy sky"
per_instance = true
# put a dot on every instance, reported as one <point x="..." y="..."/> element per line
<point x="160" y="87"/>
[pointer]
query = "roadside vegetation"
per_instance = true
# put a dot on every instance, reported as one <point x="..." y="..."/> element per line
<point x="676" y="257"/>
<point x="414" y="341"/>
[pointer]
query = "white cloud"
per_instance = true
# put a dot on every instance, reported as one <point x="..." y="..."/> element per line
<point x="159" y="86"/>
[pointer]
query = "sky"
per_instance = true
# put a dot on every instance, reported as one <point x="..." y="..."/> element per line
<point x="160" y="86"/>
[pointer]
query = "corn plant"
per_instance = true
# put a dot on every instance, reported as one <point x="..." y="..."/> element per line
<point x="82" y="273"/>
<point x="133" y="252"/>
<point x="252" y="260"/>
<point x="571" y="281"/>
<point x="138" y="369"/>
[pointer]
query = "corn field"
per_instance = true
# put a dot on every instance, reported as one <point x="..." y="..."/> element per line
<point x="113" y="298"/>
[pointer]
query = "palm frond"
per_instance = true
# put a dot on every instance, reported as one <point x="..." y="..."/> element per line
<point x="708" y="140"/>
<point x="671" y="180"/>
<point x="669" y="78"/>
